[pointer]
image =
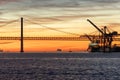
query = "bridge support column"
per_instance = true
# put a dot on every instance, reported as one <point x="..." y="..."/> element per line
<point x="21" y="44"/>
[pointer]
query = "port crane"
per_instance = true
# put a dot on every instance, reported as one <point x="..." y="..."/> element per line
<point x="94" y="45"/>
<point x="105" y="39"/>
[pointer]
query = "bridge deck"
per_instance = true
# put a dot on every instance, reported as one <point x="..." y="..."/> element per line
<point x="50" y="38"/>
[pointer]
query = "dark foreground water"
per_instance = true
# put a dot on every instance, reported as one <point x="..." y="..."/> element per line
<point x="60" y="66"/>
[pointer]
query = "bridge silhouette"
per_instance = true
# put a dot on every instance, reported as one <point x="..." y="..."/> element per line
<point x="51" y="38"/>
<point x="77" y="37"/>
<point x="44" y="38"/>
<point x="21" y="36"/>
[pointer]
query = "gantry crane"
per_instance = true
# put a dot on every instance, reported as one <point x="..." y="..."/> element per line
<point x="106" y="37"/>
<point x="94" y="45"/>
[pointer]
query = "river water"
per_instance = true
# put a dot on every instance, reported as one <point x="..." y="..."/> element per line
<point x="59" y="67"/>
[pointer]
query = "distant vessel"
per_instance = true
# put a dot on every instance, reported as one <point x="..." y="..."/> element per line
<point x="1" y="50"/>
<point x="59" y="50"/>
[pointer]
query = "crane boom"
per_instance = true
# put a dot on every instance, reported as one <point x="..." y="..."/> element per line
<point x="95" y="26"/>
<point x="88" y="37"/>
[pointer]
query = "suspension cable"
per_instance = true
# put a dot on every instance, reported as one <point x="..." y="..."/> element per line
<point x="10" y="22"/>
<point x="52" y="28"/>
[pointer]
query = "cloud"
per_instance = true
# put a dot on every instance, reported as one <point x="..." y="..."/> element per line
<point x="3" y="20"/>
<point x="62" y="18"/>
<point x="73" y="3"/>
<point x="7" y="1"/>
<point x="26" y="4"/>
<point x="0" y="13"/>
<point x="51" y="8"/>
<point x="114" y="24"/>
<point x="58" y="3"/>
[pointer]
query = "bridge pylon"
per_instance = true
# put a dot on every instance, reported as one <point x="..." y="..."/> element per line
<point x="21" y="39"/>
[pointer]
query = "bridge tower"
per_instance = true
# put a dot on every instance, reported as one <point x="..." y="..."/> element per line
<point x="21" y="39"/>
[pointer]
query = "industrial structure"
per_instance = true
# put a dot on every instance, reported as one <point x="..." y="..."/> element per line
<point x="102" y="42"/>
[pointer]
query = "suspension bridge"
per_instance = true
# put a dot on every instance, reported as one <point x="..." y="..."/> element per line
<point x="20" y="33"/>
<point x="77" y="37"/>
<point x="51" y="38"/>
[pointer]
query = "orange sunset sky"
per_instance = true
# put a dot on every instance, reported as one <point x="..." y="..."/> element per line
<point x="64" y="15"/>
